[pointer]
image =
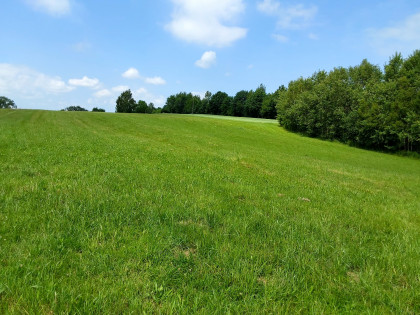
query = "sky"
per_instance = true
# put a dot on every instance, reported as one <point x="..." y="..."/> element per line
<point x="59" y="53"/>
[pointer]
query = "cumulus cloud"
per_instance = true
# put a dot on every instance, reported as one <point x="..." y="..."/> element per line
<point x="403" y="37"/>
<point x="288" y="17"/>
<point x="30" y="83"/>
<point x="131" y="73"/>
<point x="141" y="91"/>
<point x="108" y="96"/>
<point x="102" y="93"/>
<point x="85" y="82"/>
<point x="155" y="81"/>
<point x="52" y="7"/>
<point x="148" y="97"/>
<point x="207" y="60"/>
<point x="207" y="22"/>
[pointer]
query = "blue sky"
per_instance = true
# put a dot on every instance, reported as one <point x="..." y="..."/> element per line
<point x="57" y="53"/>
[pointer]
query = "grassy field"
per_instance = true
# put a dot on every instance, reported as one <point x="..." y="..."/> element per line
<point x="119" y="213"/>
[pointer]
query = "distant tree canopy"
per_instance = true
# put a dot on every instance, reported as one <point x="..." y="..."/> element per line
<point x="96" y="109"/>
<point x="74" y="109"/>
<point x="7" y="103"/>
<point x="244" y="103"/>
<point x="127" y="104"/>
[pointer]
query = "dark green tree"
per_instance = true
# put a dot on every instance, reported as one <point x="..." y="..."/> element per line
<point x="238" y="103"/>
<point x="268" y="108"/>
<point x="96" y="109"/>
<point x="219" y="104"/>
<point x="365" y="73"/>
<point x="254" y="102"/>
<point x="125" y="103"/>
<point x="205" y="103"/>
<point x="75" y="109"/>
<point x="151" y="108"/>
<point x="141" y="107"/>
<point x="7" y="103"/>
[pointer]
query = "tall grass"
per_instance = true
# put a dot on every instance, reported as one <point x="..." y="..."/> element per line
<point x="118" y="213"/>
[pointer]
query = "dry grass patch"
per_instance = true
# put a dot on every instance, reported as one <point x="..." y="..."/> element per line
<point x="185" y="252"/>
<point x="353" y="276"/>
<point x="191" y="223"/>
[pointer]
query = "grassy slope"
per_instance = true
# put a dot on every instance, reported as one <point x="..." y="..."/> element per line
<point x="117" y="213"/>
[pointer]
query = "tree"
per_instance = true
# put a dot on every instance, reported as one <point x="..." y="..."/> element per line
<point x="96" y="109"/>
<point x="360" y="105"/>
<point x="141" y="107"/>
<point x="238" y="103"/>
<point x="365" y="73"/>
<point x="219" y="104"/>
<point x="7" y="103"/>
<point x="268" y="108"/>
<point x="205" y="103"/>
<point x="254" y="102"/>
<point x="125" y="103"/>
<point x="151" y="108"/>
<point x="393" y="68"/>
<point x="75" y="109"/>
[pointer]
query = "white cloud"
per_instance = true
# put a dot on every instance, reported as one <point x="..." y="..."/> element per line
<point x="30" y="83"/>
<point x="200" y="94"/>
<point x="85" y="82"/>
<point x="403" y="37"/>
<point x="103" y="93"/>
<point x="148" y="97"/>
<point x="120" y="88"/>
<point x="207" y="60"/>
<point x="288" y="17"/>
<point x="207" y="22"/>
<point x="131" y="73"/>
<point x="280" y="38"/>
<point x="108" y="96"/>
<point x="141" y="91"/>
<point x="52" y="7"/>
<point x="155" y="81"/>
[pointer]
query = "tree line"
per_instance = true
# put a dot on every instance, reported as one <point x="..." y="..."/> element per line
<point x="252" y="103"/>
<point x="127" y="104"/>
<point x="81" y="109"/>
<point x="364" y="105"/>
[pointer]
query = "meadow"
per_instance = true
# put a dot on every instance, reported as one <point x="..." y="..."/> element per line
<point x="166" y="213"/>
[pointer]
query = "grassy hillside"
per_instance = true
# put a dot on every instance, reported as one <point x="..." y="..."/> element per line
<point x="117" y="213"/>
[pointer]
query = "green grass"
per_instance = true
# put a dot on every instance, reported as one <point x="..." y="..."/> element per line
<point x="119" y="213"/>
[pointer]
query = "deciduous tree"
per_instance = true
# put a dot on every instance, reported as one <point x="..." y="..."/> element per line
<point x="6" y="102"/>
